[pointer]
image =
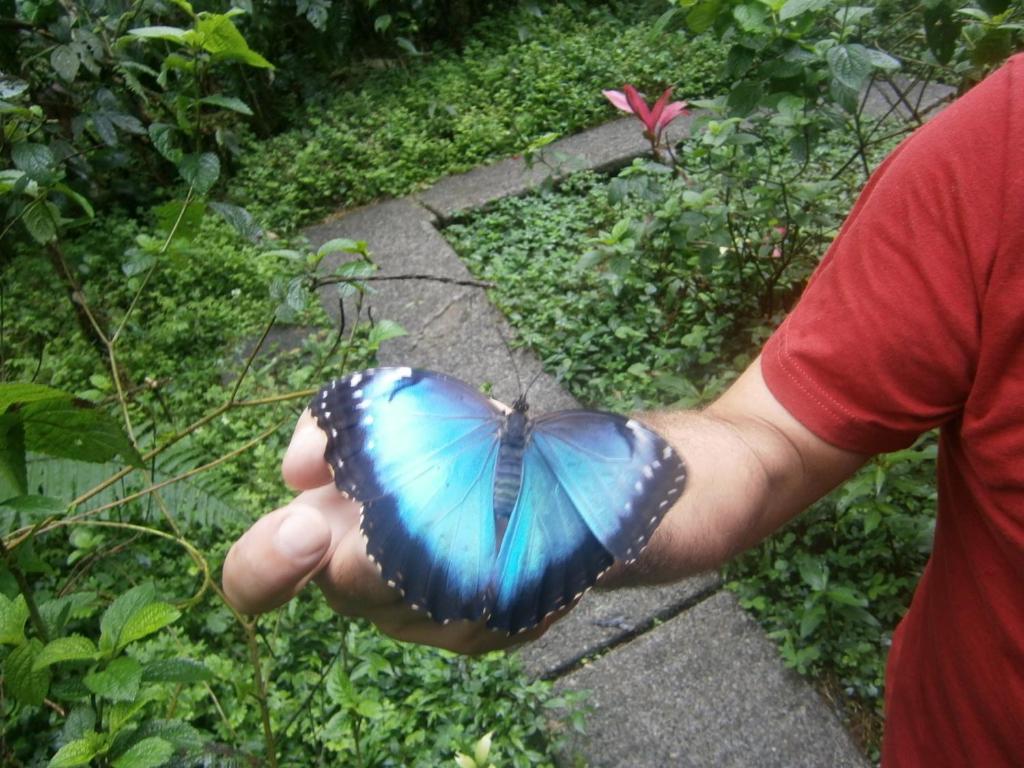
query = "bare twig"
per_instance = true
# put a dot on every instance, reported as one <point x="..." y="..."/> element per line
<point x="320" y="282"/>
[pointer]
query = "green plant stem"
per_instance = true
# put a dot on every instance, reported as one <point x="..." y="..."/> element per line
<point x="252" y="356"/>
<point x="261" y="691"/>
<point x="152" y="269"/>
<point x="26" y="591"/>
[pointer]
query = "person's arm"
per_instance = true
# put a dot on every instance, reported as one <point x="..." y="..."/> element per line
<point x="751" y="467"/>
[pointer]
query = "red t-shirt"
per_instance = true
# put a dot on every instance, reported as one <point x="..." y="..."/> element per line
<point x="915" y="319"/>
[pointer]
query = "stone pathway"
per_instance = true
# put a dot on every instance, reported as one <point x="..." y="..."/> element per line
<point x="680" y="675"/>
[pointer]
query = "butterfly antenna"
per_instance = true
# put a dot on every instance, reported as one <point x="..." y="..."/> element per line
<point x="511" y="359"/>
<point x="533" y="381"/>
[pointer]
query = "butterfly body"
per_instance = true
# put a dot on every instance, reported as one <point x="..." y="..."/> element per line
<point x="474" y="512"/>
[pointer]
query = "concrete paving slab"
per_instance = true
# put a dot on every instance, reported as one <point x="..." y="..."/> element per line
<point x="604" y="619"/>
<point x="706" y="688"/>
<point x="606" y="147"/>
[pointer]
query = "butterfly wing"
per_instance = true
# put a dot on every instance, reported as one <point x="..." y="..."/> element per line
<point x="595" y="486"/>
<point x="419" y="449"/>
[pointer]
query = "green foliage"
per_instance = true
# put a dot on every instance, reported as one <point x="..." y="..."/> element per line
<point x="92" y="94"/>
<point x="108" y="691"/>
<point x="820" y="49"/>
<point x="654" y="287"/>
<point x="399" y="129"/>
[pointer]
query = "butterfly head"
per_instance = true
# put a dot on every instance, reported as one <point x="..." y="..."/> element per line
<point x="520" y="405"/>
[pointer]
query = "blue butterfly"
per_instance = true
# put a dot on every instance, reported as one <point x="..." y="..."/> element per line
<point x="472" y="512"/>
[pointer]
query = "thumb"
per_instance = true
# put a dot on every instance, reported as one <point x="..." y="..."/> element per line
<point x="275" y="558"/>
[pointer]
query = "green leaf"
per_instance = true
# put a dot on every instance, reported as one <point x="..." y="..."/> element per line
<point x="40" y="219"/>
<point x="200" y="171"/>
<point x="941" y="32"/>
<point x="341" y="245"/>
<point x="65" y="62"/>
<point x="811" y="620"/>
<point x="846" y="596"/>
<point x="78" y="752"/>
<point x="70" y="648"/>
<point x="852" y="14"/>
<point x="118" y="682"/>
<point x="218" y="35"/>
<point x="184" y="220"/>
<point x="384" y="330"/>
<point x="744" y="98"/>
<point x="993" y="47"/>
<point x="147" y="620"/>
<point x="882" y="60"/>
<point x="181" y="735"/>
<point x="13" y="615"/>
<point x="11" y="87"/>
<point x="21" y="393"/>
<point x="170" y="34"/>
<point x="62" y="428"/>
<point x="148" y="753"/>
<point x="814" y="572"/>
<point x="482" y="749"/>
<point x="13" y="470"/>
<point x="36" y="160"/>
<point x="850" y="65"/>
<point x="239" y="218"/>
<point x="104" y="128"/>
<point x="121" y="713"/>
<point x="119" y="611"/>
<point x="163" y="135"/>
<point x="176" y="671"/>
<point x="794" y="8"/>
<point x="83" y="202"/>
<point x="79" y="722"/>
<point x="25" y="684"/>
<point x="59" y="610"/>
<point x="31" y="508"/>
<point x="407" y="45"/>
<point x="702" y="15"/>
<point x="751" y="17"/>
<point x="369" y="708"/>
<point x="227" y="102"/>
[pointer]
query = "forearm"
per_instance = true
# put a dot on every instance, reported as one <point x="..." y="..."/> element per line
<point x="750" y="467"/>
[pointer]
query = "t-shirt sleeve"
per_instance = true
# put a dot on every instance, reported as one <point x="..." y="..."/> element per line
<point x="883" y="344"/>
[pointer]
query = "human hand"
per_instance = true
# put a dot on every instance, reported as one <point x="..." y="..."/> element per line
<point x="316" y="537"/>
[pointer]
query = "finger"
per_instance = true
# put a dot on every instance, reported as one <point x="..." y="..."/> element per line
<point x="303" y="465"/>
<point x="275" y="558"/>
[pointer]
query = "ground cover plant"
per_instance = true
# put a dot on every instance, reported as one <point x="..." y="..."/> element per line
<point x="406" y="125"/>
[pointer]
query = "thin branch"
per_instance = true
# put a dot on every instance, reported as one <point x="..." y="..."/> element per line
<point x="320" y="282"/>
<point x="251" y="358"/>
<point x="26" y="592"/>
<point x="184" y="475"/>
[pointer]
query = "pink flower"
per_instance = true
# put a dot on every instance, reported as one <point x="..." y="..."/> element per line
<point x="656" y="118"/>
